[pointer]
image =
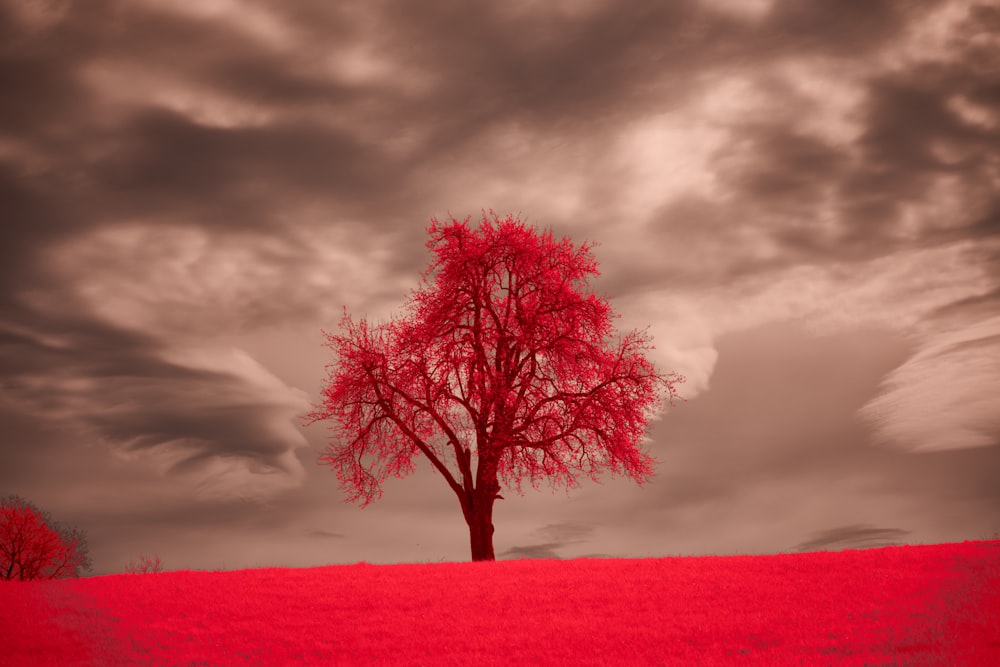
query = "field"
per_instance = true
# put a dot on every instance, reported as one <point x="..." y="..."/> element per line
<point x="910" y="605"/>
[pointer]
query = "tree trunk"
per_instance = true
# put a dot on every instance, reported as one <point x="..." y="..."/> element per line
<point x="477" y="507"/>
<point x="481" y="532"/>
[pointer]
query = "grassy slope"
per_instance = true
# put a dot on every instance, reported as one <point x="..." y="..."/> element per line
<point x="897" y="605"/>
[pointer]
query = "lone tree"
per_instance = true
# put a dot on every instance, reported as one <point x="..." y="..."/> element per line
<point x="32" y="546"/>
<point x="502" y="367"/>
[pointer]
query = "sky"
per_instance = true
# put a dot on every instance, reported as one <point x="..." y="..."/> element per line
<point x="800" y="200"/>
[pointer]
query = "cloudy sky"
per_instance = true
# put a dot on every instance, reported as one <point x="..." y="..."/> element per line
<point x="800" y="199"/>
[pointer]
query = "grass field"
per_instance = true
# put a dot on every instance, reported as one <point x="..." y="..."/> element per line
<point x="910" y="605"/>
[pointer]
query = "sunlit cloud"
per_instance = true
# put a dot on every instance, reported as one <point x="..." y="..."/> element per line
<point x="973" y="112"/>
<point x="751" y="10"/>
<point x="937" y="400"/>
<point x="184" y="282"/>
<point x="254" y="20"/>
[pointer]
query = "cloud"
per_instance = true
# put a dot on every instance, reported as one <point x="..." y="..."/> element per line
<point x="185" y="283"/>
<point x="534" y="551"/>
<point x="941" y="397"/>
<point x="899" y="291"/>
<point x="857" y="536"/>
<point x="557" y="536"/>
<point x="325" y="534"/>
<point x="214" y="418"/>
<point x="752" y="10"/>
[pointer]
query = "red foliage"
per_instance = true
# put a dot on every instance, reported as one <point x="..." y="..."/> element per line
<point x="502" y="356"/>
<point x="32" y="548"/>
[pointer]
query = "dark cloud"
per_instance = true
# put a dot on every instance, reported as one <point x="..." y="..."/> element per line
<point x="557" y="535"/>
<point x="912" y="139"/>
<point x="34" y="216"/>
<point x="567" y="531"/>
<point x="534" y="551"/>
<point x="854" y="28"/>
<point x="588" y="69"/>
<point x="827" y="180"/>
<point x="779" y="176"/>
<point x="237" y="177"/>
<point x="325" y="534"/>
<point x="42" y="71"/>
<point x="787" y="170"/>
<point x="115" y="386"/>
<point x="858" y="536"/>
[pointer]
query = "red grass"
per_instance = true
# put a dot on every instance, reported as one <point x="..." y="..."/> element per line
<point x="933" y="604"/>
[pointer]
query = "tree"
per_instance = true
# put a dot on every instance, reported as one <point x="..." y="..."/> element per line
<point x="32" y="546"/>
<point x="502" y="367"/>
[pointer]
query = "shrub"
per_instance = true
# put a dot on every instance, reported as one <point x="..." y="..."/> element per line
<point x="144" y="564"/>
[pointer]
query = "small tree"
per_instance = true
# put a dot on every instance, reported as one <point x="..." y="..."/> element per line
<point x="32" y="546"/>
<point x="144" y="564"/>
<point x="503" y="367"/>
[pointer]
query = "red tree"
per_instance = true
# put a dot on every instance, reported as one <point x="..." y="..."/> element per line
<point x="33" y="547"/>
<point x="503" y="367"/>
